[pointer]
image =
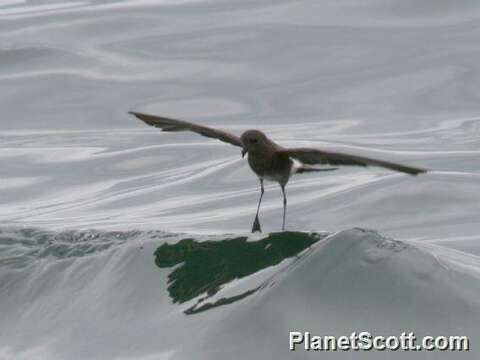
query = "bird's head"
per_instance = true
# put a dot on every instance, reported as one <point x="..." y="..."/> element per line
<point x="253" y="140"/>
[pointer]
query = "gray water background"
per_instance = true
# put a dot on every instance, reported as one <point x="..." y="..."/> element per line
<point x="394" y="79"/>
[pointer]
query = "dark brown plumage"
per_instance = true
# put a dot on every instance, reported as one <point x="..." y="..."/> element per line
<point x="271" y="161"/>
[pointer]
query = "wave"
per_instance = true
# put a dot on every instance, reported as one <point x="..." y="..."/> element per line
<point x="21" y="246"/>
<point x="93" y="294"/>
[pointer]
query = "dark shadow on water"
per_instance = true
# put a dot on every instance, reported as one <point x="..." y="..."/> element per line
<point x="206" y="266"/>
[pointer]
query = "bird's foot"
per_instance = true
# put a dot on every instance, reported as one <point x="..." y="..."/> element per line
<point x="256" y="225"/>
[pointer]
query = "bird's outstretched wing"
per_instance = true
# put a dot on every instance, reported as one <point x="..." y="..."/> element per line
<point x="315" y="156"/>
<point x="167" y="124"/>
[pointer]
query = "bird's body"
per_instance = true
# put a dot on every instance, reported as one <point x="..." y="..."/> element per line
<point x="272" y="166"/>
<point x="270" y="161"/>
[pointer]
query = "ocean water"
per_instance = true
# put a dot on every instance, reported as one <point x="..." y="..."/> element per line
<point x="118" y="241"/>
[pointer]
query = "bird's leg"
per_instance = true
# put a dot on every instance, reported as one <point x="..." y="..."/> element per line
<point x="256" y="222"/>
<point x="284" y="206"/>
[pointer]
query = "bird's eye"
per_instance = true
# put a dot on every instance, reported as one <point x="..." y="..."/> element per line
<point x="253" y="141"/>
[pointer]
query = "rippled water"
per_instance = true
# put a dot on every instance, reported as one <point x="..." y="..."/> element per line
<point x="393" y="79"/>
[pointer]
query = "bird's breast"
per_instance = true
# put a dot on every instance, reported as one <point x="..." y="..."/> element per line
<point x="273" y="167"/>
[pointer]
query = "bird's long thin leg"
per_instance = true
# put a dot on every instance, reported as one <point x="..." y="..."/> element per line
<point x="256" y="222"/>
<point x="284" y="206"/>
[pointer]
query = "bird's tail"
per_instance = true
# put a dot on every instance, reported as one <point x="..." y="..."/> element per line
<point x="306" y="169"/>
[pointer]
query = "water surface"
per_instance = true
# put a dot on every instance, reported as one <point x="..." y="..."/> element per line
<point x="88" y="193"/>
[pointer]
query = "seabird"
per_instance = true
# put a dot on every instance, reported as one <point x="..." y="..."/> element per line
<point x="270" y="161"/>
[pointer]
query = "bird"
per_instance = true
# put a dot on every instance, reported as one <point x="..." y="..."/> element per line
<point x="272" y="162"/>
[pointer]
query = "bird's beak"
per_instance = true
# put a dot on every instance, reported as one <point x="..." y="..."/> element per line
<point x="244" y="151"/>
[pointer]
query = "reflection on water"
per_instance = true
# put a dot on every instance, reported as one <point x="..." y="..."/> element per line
<point x="207" y="266"/>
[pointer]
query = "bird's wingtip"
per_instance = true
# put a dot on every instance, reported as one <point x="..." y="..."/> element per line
<point x="420" y="171"/>
<point x="137" y="115"/>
